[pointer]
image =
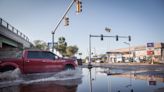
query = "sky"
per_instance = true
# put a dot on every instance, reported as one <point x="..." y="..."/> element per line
<point x="143" y="20"/>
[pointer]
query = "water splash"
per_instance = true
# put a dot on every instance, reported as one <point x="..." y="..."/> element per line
<point x="61" y="76"/>
<point x="10" y="78"/>
<point x="10" y="75"/>
<point x="67" y="77"/>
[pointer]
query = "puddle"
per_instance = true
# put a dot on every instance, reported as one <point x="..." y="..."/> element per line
<point x="117" y="80"/>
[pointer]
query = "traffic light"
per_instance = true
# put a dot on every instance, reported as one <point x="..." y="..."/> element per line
<point x="102" y="37"/>
<point x="129" y="38"/>
<point x="116" y="37"/>
<point x="66" y="21"/>
<point x="78" y="6"/>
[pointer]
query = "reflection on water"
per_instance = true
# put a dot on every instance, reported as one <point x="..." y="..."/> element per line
<point x="110" y="80"/>
<point x="47" y="87"/>
<point x="41" y="87"/>
<point x="93" y="80"/>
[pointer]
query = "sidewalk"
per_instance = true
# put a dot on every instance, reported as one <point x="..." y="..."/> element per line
<point x="132" y="63"/>
<point x="129" y="66"/>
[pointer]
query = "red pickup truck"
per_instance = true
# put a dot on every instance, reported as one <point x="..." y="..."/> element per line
<point x="36" y="61"/>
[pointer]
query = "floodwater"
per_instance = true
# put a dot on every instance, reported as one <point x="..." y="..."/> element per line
<point x="82" y="80"/>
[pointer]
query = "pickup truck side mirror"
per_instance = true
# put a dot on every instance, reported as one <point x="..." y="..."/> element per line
<point x="56" y="57"/>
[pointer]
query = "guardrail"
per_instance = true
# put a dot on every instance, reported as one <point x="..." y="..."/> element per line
<point x="13" y="29"/>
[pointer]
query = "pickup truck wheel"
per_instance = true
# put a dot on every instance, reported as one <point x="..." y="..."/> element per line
<point x="7" y="68"/>
<point x="69" y="67"/>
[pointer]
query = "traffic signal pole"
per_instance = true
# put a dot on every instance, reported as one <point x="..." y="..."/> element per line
<point x="53" y="32"/>
<point x="101" y="36"/>
<point x="89" y="66"/>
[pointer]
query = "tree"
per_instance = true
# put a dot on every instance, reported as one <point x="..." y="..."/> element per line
<point x="65" y="50"/>
<point x="39" y="44"/>
<point x="71" y="50"/>
<point x="61" y="46"/>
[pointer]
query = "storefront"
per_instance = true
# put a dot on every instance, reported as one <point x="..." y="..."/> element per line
<point x="141" y="52"/>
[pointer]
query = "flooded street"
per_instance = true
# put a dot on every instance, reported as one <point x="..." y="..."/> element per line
<point x="83" y="80"/>
<point x="121" y="81"/>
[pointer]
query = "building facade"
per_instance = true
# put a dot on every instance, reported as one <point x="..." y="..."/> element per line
<point x="138" y="53"/>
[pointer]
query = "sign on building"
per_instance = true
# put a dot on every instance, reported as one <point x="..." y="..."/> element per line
<point x="150" y="45"/>
<point x="150" y="48"/>
<point x="150" y="52"/>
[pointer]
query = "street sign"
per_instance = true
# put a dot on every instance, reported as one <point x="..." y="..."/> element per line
<point x="150" y="44"/>
<point x="50" y="44"/>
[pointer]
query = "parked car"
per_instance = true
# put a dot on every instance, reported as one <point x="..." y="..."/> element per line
<point x="127" y="60"/>
<point x="136" y="59"/>
<point x="99" y="61"/>
<point x="119" y="58"/>
<point x="36" y="61"/>
<point x="80" y="61"/>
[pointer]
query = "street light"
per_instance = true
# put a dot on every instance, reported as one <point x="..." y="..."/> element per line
<point x="129" y="48"/>
<point x="108" y="29"/>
